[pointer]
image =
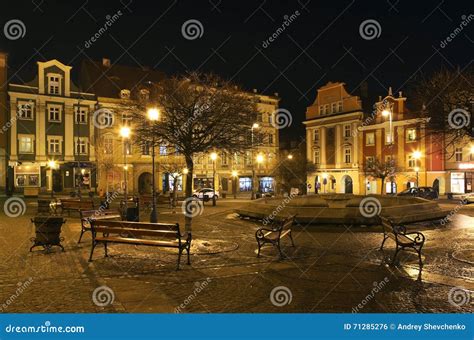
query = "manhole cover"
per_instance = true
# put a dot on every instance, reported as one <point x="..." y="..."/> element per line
<point x="466" y="255"/>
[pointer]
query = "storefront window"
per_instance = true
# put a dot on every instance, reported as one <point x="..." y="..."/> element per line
<point x="179" y="181"/>
<point x="457" y="182"/>
<point x="266" y="184"/>
<point x="245" y="184"/>
<point x="27" y="176"/>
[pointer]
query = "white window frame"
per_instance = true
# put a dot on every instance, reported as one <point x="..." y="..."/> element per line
<point x="326" y="109"/>
<point x="409" y="132"/>
<point x="317" y="157"/>
<point x="411" y="162"/>
<point x="21" y="106"/>
<point x="108" y="145"/>
<point x="59" y="140"/>
<point x="56" y="84"/>
<point x="339" y="106"/>
<point x="79" y="143"/>
<point x="80" y="111"/>
<point x="458" y="152"/>
<point x="31" y="150"/>
<point x="316" y="136"/>
<point x="333" y="107"/>
<point x="347" y="128"/>
<point x="321" y="109"/>
<point x="367" y="138"/>
<point x="59" y="110"/>
<point x="347" y="153"/>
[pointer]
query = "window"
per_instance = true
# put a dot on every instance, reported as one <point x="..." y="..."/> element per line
<point x="326" y="109"/>
<point x="25" y="110"/>
<point x="347" y="131"/>
<point x="54" y="113"/>
<point x="224" y="158"/>
<point x="334" y="107"/>
<point x="316" y="136"/>
<point x="248" y="158"/>
<point x="317" y="157"/>
<point x="245" y="184"/>
<point x="388" y="137"/>
<point x="54" y="145"/>
<point x="163" y="150"/>
<point x="411" y="161"/>
<point x="339" y="106"/>
<point x="237" y="158"/>
<point x="108" y="145"/>
<point x="126" y="119"/>
<point x="54" y="84"/>
<point x="347" y="155"/>
<point x="321" y="109"/>
<point x="81" y="145"/>
<point x="370" y="138"/>
<point x="411" y="135"/>
<point x="125" y="94"/>
<point x="259" y="117"/>
<point x="146" y="149"/>
<point x="458" y="154"/>
<point x="81" y="114"/>
<point x="270" y="139"/>
<point x="26" y="143"/>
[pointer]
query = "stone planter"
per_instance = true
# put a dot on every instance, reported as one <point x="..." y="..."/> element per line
<point x="48" y="230"/>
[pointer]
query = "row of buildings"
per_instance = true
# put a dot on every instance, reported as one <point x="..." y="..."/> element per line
<point x="52" y="141"/>
<point x="342" y="138"/>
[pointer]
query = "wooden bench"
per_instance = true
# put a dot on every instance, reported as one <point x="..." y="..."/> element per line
<point x="88" y="215"/>
<point x="274" y="234"/>
<point x="75" y="205"/>
<point x="139" y="233"/>
<point x="414" y="240"/>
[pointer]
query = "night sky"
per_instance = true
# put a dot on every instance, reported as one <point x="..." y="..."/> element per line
<point x="321" y="44"/>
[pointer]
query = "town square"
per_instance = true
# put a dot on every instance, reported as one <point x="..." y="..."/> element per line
<point x="274" y="158"/>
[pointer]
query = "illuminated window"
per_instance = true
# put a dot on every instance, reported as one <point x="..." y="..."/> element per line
<point x="370" y="138"/>
<point x="411" y="135"/>
<point x="347" y="155"/>
<point x="54" y="84"/>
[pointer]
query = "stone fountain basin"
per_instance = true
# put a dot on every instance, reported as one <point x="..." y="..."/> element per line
<point x="343" y="209"/>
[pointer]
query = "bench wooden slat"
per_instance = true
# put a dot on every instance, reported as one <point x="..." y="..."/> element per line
<point x="141" y="225"/>
<point x="139" y="241"/>
<point x="137" y="232"/>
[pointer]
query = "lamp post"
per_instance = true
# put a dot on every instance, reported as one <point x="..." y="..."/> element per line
<point x="214" y="158"/>
<point x="125" y="134"/>
<point x="153" y="116"/>
<point x="260" y="160"/>
<point x="235" y="174"/>
<point x="52" y="165"/>
<point x="254" y="126"/>
<point x="417" y="157"/>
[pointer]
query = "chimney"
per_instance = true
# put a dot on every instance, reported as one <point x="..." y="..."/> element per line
<point x="106" y="62"/>
<point x="390" y="91"/>
<point x="254" y="90"/>
<point x="400" y="94"/>
<point x="276" y="94"/>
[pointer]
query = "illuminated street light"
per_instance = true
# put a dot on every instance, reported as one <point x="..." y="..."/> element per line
<point x="259" y="158"/>
<point x="235" y="173"/>
<point x="290" y="156"/>
<point x="185" y="171"/>
<point x="213" y="156"/>
<point x="416" y="154"/>
<point x="255" y="126"/>
<point x="125" y="132"/>
<point x="52" y="165"/>
<point x="153" y="114"/>
<point x="386" y="113"/>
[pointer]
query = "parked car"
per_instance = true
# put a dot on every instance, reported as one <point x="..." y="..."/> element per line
<point x="260" y="194"/>
<point x="468" y="198"/>
<point x="209" y="192"/>
<point x="428" y="193"/>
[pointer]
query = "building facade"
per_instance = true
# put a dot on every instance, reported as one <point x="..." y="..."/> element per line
<point x="342" y="140"/>
<point x="120" y="161"/>
<point x="51" y="134"/>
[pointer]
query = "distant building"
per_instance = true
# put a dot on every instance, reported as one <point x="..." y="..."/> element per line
<point x="50" y="122"/>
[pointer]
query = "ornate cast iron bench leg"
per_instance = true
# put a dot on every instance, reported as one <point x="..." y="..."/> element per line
<point x="92" y="250"/>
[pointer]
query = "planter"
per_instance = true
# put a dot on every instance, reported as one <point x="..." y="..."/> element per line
<point x="48" y="230"/>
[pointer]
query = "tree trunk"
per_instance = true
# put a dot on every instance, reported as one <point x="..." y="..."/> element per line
<point x="175" y="190"/>
<point x="383" y="181"/>
<point x="189" y="190"/>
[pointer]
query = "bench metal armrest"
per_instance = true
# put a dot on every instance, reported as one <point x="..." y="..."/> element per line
<point x="260" y="233"/>
<point x="419" y="237"/>
<point x="399" y="229"/>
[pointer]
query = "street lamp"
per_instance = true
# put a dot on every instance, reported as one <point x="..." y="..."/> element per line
<point x="260" y="160"/>
<point x="290" y="156"/>
<point x="153" y="116"/>
<point x="254" y="126"/>
<point x="125" y="133"/>
<point x="52" y="165"/>
<point x="213" y="158"/>
<point x="235" y="174"/>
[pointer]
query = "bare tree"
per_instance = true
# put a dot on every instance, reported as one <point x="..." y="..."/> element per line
<point x="447" y="98"/>
<point x="199" y="113"/>
<point x="383" y="170"/>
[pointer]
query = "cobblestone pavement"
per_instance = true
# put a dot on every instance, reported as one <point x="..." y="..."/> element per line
<point x="331" y="269"/>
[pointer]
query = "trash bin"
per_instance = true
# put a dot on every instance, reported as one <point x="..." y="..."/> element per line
<point x="48" y="231"/>
<point x="450" y="195"/>
<point x="133" y="214"/>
